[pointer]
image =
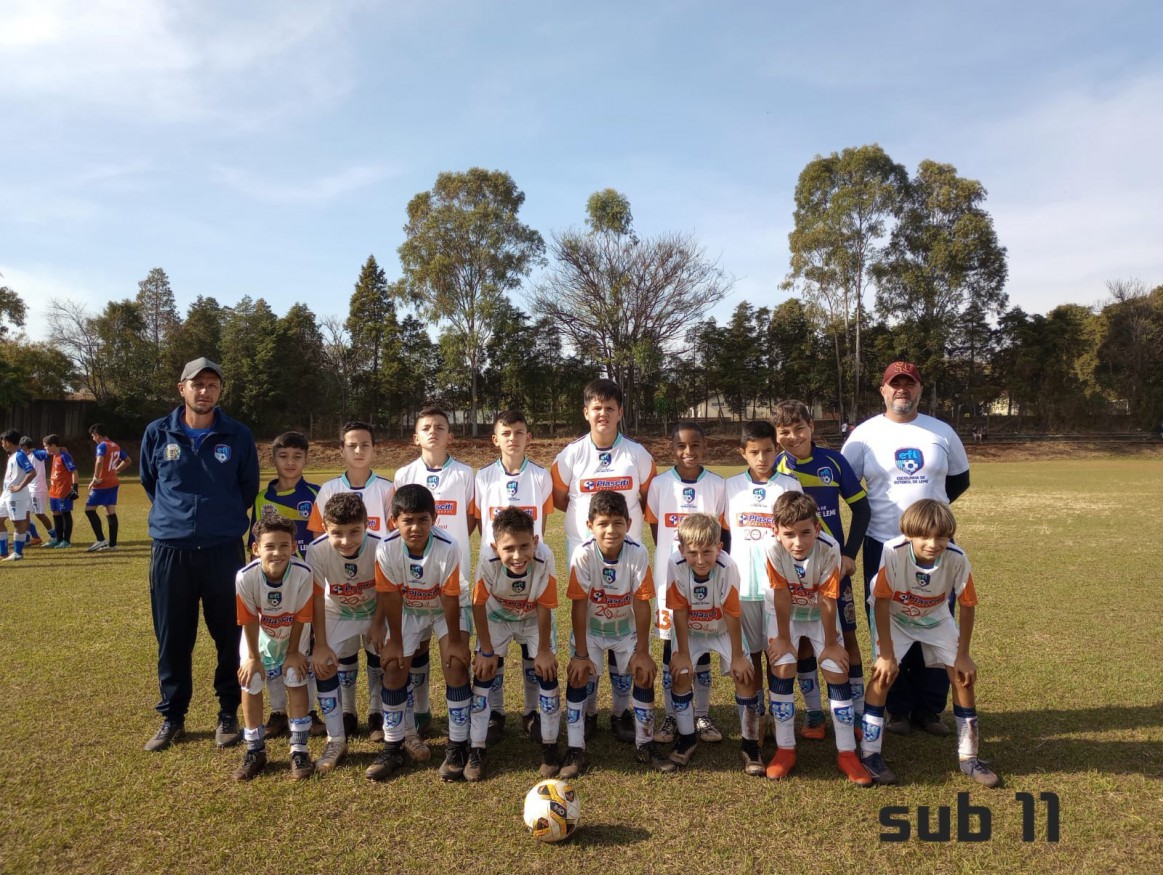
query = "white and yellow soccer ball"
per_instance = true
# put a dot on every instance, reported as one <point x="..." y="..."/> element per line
<point x="552" y="810"/>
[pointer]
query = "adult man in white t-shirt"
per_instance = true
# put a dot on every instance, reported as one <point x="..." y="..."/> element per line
<point x="904" y="456"/>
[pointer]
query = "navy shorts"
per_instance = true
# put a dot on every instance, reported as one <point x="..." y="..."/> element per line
<point x="98" y="497"/>
<point x="60" y="505"/>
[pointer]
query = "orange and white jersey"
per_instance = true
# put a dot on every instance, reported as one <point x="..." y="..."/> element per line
<point x="423" y="579"/>
<point x="530" y="489"/>
<point x="749" y="507"/>
<point x="920" y="595"/>
<point x="610" y="586"/>
<point x="275" y="606"/>
<point x="377" y="498"/>
<point x="710" y="601"/>
<point x="807" y="579"/>
<point x="585" y="468"/>
<point x="670" y="498"/>
<point x="509" y="599"/>
<point x="348" y="584"/>
<point x="453" y="486"/>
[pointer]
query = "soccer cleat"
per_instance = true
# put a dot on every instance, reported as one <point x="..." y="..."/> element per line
<point x="878" y="769"/>
<point x="253" y="762"/>
<point x="375" y="727"/>
<point x="684" y="749"/>
<point x="455" y="759"/>
<point x="980" y="772"/>
<point x="318" y="727"/>
<point x="415" y="747"/>
<point x="649" y="754"/>
<point x="277" y="724"/>
<point x="623" y="726"/>
<point x="475" y="769"/>
<point x="227" y="733"/>
<point x="707" y="730"/>
<point x="781" y="764"/>
<point x="813" y="727"/>
<point x="170" y="732"/>
<point x="897" y="725"/>
<point x="97" y="547"/>
<point x="574" y="763"/>
<point x="752" y="764"/>
<point x="333" y="754"/>
<point x="532" y="724"/>
<point x="665" y="733"/>
<point x="35" y="541"/>
<point x="591" y="725"/>
<point x="496" y="727"/>
<point x="550" y="761"/>
<point x="301" y="765"/>
<point x="424" y="722"/>
<point x="851" y="766"/>
<point x="350" y="724"/>
<point x="390" y="760"/>
<point x="13" y="557"/>
<point x="931" y="723"/>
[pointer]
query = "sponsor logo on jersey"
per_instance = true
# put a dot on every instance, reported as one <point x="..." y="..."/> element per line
<point x="274" y="597"/>
<point x="701" y="592"/>
<point x="433" y="481"/>
<point x="759" y="494"/>
<point x="708" y="615"/>
<point x="222" y="453"/>
<point x="446" y="508"/>
<point x="923" y="578"/>
<point x="304" y="508"/>
<point x="417" y="571"/>
<point x="511" y="488"/>
<point x="825" y="475"/>
<point x="920" y="601"/>
<point x="748" y="519"/>
<point x="172" y="452"/>
<point x="617" y="484"/>
<point x="604" y="459"/>
<point x="282" y="621"/>
<point x="609" y="575"/>
<point x="373" y="523"/>
<point x="688" y="494"/>
<point x="671" y="520"/>
<point x="910" y="460"/>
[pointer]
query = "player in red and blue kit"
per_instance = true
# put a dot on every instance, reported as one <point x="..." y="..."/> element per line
<point x="827" y="477"/>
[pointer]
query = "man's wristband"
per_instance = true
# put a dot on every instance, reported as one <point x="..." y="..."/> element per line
<point x="488" y="655"/>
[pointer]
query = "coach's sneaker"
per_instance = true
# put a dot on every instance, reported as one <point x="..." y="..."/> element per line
<point x="389" y="761"/>
<point x="878" y="769"/>
<point x="227" y="733"/>
<point x="253" y="762"/>
<point x="813" y="727"/>
<point x="574" y="763"/>
<point x="550" y="761"/>
<point x="980" y="772"/>
<point x="623" y="726"/>
<point x="318" y="727"/>
<point x="496" y="727"/>
<point x="684" y="749"/>
<point x="665" y="733"/>
<point x="277" y="724"/>
<point x="752" y="764"/>
<point x="170" y="732"/>
<point x="851" y="766"/>
<point x="455" y="759"/>
<point x="424" y="722"/>
<point x="532" y="724"/>
<point x="375" y="727"/>
<point x="417" y="750"/>
<point x="301" y="766"/>
<point x="649" y="754"/>
<point x="350" y="724"/>
<point x="897" y="725"/>
<point x="97" y="547"/>
<point x="333" y="753"/>
<point x="781" y="764"/>
<point x="929" y="722"/>
<point x="708" y="731"/>
<point x="475" y="769"/>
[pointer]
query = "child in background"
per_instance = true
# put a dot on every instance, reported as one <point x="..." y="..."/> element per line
<point x="62" y="490"/>
<point x="103" y="488"/>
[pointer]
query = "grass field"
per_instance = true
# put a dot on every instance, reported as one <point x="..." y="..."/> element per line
<point x="1069" y="692"/>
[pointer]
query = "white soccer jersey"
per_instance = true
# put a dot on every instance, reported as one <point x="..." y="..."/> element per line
<point x="274" y="606"/>
<point x="749" y="507"/>
<point x="817" y="575"/>
<point x="585" y="468"/>
<point x="39" y="486"/>
<point x="530" y="489"/>
<point x="900" y="463"/>
<point x="423" y="579"/>
<point x="377" y="498"/>
<point x="348" y="585"/>
<point x="920" y="595"/>
<point x="610" y="587"/>
<point x="669" y="499"/>
<point x="709" y="601"/>
<point x="453" y="486"/>
<point x="18" y="466"/>
<point x="509" y="599"/>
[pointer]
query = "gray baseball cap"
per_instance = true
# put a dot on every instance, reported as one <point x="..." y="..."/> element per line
<point x="192" y="369"/>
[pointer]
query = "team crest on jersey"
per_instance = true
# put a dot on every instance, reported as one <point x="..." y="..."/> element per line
<point x="518" y="585"/>
<point x="274" y="597"/>
<point x="801" y="570"/>
<point x="700" y="592"/>
<point x="222" y="453"/>
<point x="759" y="493"/>
<point x="609" y="575"/>
<point x="511" y="488"/>
<point x="433" y="481"/>
<point x="910" y="460"/>
<point x="304" y="508"/>
<point x="604" y="458"/>
<point x="350" y="569"/>
<point x="688" y="494"/>
<point x="825" y="475"/>
<point x="923" y="578"/>
<point x="172" y="452"/>
<point x="417" y="571"/>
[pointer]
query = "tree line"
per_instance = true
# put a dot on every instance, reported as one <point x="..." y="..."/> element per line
<point x="485" y="314"/>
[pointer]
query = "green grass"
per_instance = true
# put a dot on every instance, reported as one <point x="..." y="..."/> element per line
<point x="1070" y="698"/>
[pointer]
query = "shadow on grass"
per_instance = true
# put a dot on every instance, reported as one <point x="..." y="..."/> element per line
<point x="610" y="834"/>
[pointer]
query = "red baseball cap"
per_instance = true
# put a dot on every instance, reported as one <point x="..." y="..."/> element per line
<point x="897" y="369"/>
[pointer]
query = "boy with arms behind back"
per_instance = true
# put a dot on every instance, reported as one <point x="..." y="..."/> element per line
<point x="103" y="488"/>
<point x="62" y="489"/>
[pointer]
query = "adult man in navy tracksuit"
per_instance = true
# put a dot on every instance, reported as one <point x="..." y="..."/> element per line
<point x="199" y="467"/>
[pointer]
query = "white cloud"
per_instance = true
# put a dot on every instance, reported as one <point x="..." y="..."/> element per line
<point x="319" y="189"/>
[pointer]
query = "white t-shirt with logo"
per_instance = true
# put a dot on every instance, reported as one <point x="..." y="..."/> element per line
<point x="749" y="506"/>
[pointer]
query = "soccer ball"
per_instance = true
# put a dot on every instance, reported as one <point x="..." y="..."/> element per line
<point x="552" y="810"/>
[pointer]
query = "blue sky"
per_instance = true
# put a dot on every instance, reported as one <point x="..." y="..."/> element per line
<point x="267" y="147"/>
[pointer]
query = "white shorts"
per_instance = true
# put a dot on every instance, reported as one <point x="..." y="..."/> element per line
<point x="18" y="505"/>
<point x="418" y="628"/>
<point x="599" y="645"/>
<point x="345" y="637"/>
<point x="938" y="642"/>
<point x="753" y="622"/>
<point x="503" y="634"/>
<point x="720" y="644"/>
<point x="813" y="631"/>
<point x="39" y="502"/>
